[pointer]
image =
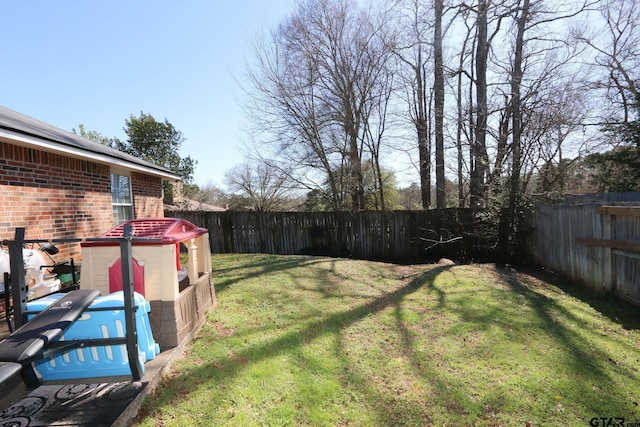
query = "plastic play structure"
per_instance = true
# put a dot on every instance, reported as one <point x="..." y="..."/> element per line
<point x="178" y="294"/>
<point x="74" y="335"/>
<point x="137" y="295"/>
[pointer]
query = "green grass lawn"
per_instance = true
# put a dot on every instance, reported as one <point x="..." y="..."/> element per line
<point x="333" y="342"/>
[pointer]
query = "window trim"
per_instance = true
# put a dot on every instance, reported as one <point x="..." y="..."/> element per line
<point x="115" y="204"/>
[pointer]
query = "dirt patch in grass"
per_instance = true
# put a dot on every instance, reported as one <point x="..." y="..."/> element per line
<point x="221" y="330"/>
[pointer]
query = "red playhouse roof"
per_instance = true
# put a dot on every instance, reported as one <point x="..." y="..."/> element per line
<point x="168" y="231"/>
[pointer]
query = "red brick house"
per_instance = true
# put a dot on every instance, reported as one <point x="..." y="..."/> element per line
<point x="58" y="184"/>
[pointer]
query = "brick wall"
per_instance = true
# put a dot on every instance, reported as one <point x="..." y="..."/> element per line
<point x="147" y="196"/>
<point x="55" y="197"/>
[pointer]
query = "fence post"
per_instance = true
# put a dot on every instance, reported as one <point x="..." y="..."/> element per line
<point x="607" y="270"/>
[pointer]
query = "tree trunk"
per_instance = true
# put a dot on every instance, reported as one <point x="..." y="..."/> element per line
<point x="460" y="124"/>
<point x="438" y="92"/>
<point x="516" y="116"/>
<point x="479" y="147"/>
<point x="424" y="150"/>
<point x="422" y="128"/>
<point x="356" y="179"/>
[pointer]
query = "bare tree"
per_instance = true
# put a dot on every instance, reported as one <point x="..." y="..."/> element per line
<point x="374" y="130"/>
<point x="263" y="188"/>
<point x="539" y="82"/>
<point x="324" y="85"/>
<point x="313" y="94"/>
<point x="615" y="46"/>
<point x="464" y="118"/>
<point x="438" y="95"/>
<point x="521" y="21"/>
<point x="210" y="194"/>
<point x="479" y="161"/>
<point x="413" y="48"/>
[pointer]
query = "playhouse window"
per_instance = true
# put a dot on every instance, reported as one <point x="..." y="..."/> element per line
<point x="190" y="262"/>
<point x="121" y="198"/>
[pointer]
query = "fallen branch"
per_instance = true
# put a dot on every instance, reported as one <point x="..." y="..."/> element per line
<point x="439" y="242"/>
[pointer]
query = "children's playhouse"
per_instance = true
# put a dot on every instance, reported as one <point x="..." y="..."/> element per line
<point x="179" y="293"/>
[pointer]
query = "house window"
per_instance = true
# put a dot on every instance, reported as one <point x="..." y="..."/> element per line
<point x="121" y="198"/>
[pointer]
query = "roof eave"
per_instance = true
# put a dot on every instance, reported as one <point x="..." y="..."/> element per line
<point x="48" y="145"/>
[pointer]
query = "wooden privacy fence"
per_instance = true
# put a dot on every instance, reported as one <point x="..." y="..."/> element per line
<point x="399" y="236"/>
<point x="595" y="245"/>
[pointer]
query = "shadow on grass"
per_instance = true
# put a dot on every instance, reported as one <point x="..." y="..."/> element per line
<point x="290" y="341"/>
<point x="262" y="265"/>
<point x="584" y="365"/>
<point x="614" y="308"/>
<point x="448" y="391"/>
<point x="588" y="365"/>
<point x="259" y="266"/>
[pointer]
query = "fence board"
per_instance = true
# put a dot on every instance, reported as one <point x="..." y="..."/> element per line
<point x="606" y="262"/>
<point x="399" y="236"/>
<point x="590" y="244"/>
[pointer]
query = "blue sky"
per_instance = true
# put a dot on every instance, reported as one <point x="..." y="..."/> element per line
<point x="95" y="63"/>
